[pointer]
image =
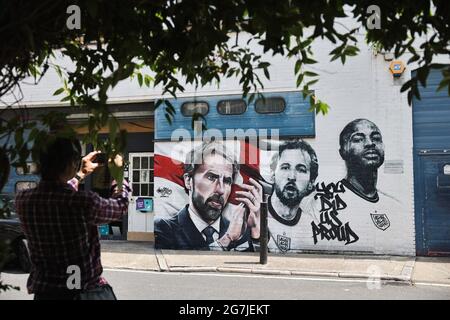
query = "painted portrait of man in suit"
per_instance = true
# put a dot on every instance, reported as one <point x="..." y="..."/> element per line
<point x="209" y="173"/>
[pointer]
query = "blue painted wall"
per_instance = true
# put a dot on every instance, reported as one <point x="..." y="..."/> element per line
<point x="10" y="186"/>
<point x="14" y="177"/>
<point x="296" y="120"/>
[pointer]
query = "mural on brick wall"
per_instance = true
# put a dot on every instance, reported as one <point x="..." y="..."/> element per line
<point x="208" y="195"/>
<point x="210" y="218"/>
<point x="340" y="216"/>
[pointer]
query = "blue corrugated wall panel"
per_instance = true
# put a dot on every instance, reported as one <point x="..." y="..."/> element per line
<point x="431" y="116"/>
<point x="431" y="131"/>
<point x="296" y="120"/>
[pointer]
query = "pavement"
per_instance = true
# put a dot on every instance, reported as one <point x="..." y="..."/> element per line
<point x="410" y="270"/>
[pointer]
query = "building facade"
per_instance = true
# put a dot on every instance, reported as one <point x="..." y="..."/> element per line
<point x="351" y="181"/>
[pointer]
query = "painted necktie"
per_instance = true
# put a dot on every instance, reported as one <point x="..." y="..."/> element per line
<point x="209" y="232"/>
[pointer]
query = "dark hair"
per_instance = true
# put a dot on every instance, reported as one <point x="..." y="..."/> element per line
<point x="56" y="155"/>
<point x="196" y="156"/>
<point x="348" y="130"/>
<point x="298" y="144"/>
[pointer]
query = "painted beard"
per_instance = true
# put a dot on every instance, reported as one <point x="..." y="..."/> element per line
<point x="210" y="209"/>
<point x="290" y="196"/>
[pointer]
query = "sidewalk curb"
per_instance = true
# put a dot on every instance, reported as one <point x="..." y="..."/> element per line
<point x="162" y="263"/>
<point x="399" y="279"/>
<point x="234" y="270"/>
<point x="430" y="283"/>
<point x="193" y="269"/>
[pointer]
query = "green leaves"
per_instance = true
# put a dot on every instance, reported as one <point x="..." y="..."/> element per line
<point x="168" y="44"/>
<point x="148" y="80"/>
<point x="170" y="109"/>
<point x="343" y="51"/>
<point x="266" y="73"/>
<point x="309" y="61"/>
<point x="58" y="92"/>
<point x="318" y="106"/>
<point x="298" y="65"/>
<point x="445" y="81"/>
<point x="117" y="173"/>
<point x="412" y="86"/>
<point x="33" y="70"/>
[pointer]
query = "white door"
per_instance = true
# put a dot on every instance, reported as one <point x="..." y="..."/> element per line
<point x="140" y="175"/>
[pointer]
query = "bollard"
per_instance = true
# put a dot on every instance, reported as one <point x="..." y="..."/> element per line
<point x="263" y="231"/>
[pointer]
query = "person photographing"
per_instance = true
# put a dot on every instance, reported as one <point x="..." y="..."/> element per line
<point x="61" y="224"/>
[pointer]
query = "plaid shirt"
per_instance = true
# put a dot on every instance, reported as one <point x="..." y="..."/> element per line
<point x="60" y="224"/>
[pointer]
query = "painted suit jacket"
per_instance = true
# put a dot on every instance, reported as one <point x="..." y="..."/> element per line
<point x="180" y="233"/>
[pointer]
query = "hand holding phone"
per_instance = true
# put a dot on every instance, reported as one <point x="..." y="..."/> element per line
<point x="101" y="158"/>
<point x="88" y="164"/>
<point x="252" y="198"/>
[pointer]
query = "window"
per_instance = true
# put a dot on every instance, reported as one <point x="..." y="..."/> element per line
<point x="188" y="109"/>
<point x="229" y="107"/>
<point x="31" y="169"/>
<point x="24" y="185"/>
<point x="142" y="176"/>
<point x="270" y="105"/>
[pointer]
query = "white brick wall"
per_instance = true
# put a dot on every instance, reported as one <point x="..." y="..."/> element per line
<point x="365" y="88"/>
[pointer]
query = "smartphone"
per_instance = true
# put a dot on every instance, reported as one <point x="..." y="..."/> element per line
<point x="101" y="158"/>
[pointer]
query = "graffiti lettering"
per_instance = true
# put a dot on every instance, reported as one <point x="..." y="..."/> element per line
<point x="341" y="233"/>
<point x="336" y="204"/>
<point x="329" y="190"/>
<point x="330" y="227"/>
<point x="330" y="218"/>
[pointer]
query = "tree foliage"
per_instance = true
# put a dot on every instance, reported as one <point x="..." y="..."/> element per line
<point x="170" y="43"/>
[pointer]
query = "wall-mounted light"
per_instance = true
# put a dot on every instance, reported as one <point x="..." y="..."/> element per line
<point x="397" y="67"/>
